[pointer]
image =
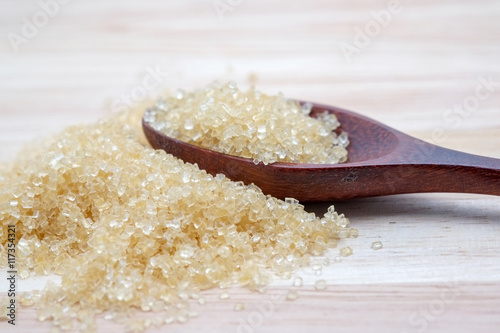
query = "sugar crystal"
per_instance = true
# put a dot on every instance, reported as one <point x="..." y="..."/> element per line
<point x="128" y="227"/>
<point x="346" y="251"/>
<point x="268" y="129"/>
<point x="297" y="282"/>
<point x="224" y="295"/>
<point x="320" y="285"/>
<point x="292" y="295"/>
<point x="377" y="245"/>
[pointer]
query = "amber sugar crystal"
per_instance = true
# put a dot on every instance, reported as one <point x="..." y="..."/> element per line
<point x="250" y="124"/>
<point x="131" y="228"/>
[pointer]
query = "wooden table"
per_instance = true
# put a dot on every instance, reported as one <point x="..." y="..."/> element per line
<point x="420" y="66"/>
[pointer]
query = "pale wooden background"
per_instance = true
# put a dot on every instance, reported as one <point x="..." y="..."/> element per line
<point x="431" y="55"/>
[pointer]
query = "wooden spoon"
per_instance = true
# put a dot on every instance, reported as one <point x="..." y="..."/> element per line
<point x="382" y="161"/>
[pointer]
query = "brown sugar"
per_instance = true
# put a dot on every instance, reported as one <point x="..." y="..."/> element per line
<point x="131" y="228"/>
<point x="249" y="124"/>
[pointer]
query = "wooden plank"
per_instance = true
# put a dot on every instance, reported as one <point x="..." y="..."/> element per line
<point x="416" y="74"/>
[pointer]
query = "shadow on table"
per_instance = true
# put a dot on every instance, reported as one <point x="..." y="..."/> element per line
<point x="438" y="206"/>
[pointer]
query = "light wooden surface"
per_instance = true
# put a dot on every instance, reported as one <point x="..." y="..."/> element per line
<point x="439" y="270"/>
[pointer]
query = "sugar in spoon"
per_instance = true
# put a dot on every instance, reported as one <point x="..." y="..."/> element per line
<point x="381" y="161"/>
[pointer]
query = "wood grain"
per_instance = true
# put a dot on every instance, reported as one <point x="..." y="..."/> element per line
<point x="414" y="75"/>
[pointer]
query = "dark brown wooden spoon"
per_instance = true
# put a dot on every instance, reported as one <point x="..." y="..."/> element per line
<point x="382" y="161"/>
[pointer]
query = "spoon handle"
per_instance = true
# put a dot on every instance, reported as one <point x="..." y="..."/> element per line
<point x="431" y="168"/>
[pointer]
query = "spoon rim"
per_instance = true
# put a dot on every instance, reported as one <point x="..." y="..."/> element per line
<point x="289" y="165"/>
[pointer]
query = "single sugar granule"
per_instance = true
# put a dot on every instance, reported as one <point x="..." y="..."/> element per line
<point x="292" y="295"/>
<point x="297" y="281"/>
<point x="224" y="296"/>
<point x="346" y="251"/>
<point x="353" y="233"/>
<point x="377" y="245"/>
<point x="320" y="285"/>
<point x="239" y="306"/>
<point x="249" y="124"/>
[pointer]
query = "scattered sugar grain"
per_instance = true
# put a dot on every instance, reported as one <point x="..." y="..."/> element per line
<point x="224" y="296"/>
<point x="346" y="251"/>
<point x="239" y="306"/>
<point x="320" y="285"/>
<point x="297" y="281"/>
<point x="292" y="295"/>
<point x="316" y="267"/>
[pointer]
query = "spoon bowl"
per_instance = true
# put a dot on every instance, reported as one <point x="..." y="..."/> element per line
<point x="381" y="161"/>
